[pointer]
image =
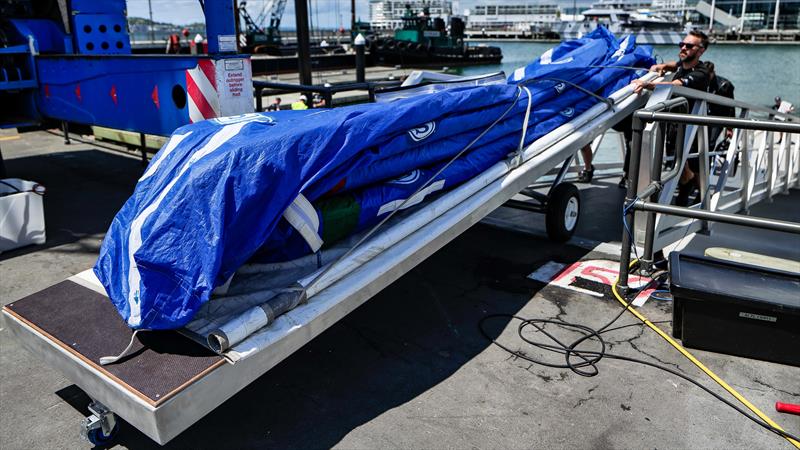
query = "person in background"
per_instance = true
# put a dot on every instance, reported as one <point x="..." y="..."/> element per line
<point x="173" y="44"/>
<point x="723" y="87"/>
<point x="318" y="102"/>
<point x="586" y="175"/>
<point x="276" y="105"/>
<point x="783" y="106"/>
<point x="300" y="103"/>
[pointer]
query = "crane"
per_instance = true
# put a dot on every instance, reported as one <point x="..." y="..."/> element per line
<point x="258" y="38"/>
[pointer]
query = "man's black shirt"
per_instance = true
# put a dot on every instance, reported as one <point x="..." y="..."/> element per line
<point x="696" y="78"/>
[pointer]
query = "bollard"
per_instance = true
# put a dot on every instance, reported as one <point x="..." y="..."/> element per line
<point x="359" y="43"/>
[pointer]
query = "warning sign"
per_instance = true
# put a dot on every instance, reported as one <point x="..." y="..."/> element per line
<point x="235" y="86"/>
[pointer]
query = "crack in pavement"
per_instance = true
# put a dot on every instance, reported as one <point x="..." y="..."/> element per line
<point x="581" y="401"/>
<point x="767" y="385"/>
<point x="666" y="363"/>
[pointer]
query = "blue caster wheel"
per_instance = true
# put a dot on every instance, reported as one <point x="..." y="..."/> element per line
<point x="98" y="438"/>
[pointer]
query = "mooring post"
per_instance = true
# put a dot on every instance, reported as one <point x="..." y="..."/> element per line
<point x="359" y="44"/>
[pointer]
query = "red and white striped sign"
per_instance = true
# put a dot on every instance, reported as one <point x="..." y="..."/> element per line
<point x="201" y="85"/>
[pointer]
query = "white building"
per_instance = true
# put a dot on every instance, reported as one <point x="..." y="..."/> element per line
<point x="388" y="14"/>
<point x="512" y="16"/>
<point x="669" y="5"/>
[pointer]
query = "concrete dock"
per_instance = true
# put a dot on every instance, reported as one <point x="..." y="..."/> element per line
<point x="409" y="369"/>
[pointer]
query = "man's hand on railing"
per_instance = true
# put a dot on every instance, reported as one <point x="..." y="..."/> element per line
<point x="639" y="86"/>
<point x="663" y="68"/>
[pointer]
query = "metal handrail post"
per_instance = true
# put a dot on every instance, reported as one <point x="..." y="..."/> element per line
<point x="746" y="171"/>
<point x="637" y="125"/>
<point x="772" y="174"/>
<point x="630" y="196"/>
<point x="786" y="150"/>
<point x="703" y="165"/>
<point x="649" y="236"/>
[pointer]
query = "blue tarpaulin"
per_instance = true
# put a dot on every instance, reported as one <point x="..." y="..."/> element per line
<point x="225" y="190"/>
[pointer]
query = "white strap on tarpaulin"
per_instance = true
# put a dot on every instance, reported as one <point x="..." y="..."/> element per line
<point x="303" y="217"/>
<point x="105" y="360"/>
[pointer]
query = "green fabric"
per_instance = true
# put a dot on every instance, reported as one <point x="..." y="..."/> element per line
<point x="339" y="217"/>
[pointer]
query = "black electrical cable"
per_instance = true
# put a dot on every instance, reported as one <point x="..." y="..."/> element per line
<point x="590" y="358"/>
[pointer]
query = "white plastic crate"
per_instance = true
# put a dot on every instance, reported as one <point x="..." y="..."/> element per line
<point x="21" y="213"/>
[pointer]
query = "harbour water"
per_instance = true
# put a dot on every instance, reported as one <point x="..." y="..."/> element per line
<point x="759" y="72"/>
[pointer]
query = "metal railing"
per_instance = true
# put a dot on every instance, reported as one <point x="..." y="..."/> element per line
<point x="761" y="160"/>
<point x="270" y="88"/>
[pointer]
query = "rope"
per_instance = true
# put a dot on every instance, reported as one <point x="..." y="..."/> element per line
<point x="375" y="228"/>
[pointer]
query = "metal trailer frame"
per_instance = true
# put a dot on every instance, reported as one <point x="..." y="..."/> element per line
<point x="168" y="418"/>
<point x="755" y="170"/>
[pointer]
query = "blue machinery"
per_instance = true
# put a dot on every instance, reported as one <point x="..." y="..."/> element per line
<point x="71" y="61"/>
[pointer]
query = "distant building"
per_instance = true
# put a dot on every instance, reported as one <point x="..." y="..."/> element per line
<point x="512" y="16"/>
<point x="388" y="14"/>
<point x="670" y="5"/>
<point x="759" y="14"/>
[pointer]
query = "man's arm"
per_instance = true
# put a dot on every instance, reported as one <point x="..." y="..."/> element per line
<point x="639" y="85"/>
<point x="670" y="66"/>
<point x="662" y="68"/>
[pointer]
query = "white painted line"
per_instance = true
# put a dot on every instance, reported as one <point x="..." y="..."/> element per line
<point x="547" y="272"/>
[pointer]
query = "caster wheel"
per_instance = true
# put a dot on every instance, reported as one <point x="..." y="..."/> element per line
<point x="98" y="438"/>
<point x="563" y="211"/>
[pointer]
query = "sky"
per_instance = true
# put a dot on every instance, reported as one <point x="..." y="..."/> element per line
<point x="187" y="11"/>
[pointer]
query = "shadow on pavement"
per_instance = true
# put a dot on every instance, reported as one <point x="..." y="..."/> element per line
<point x="85" y="189"/>
<point x="401" y="343"/>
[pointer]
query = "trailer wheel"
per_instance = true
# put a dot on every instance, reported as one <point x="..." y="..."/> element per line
<point x="101" y="427"/>
<point x="563" y="211"/>
<point x="99" y="439"/>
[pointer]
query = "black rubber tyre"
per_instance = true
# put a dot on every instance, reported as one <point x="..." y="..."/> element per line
<point x="563" y="212"/>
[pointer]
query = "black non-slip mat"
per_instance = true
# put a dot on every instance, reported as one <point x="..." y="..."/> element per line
<point x="86" y="322"/>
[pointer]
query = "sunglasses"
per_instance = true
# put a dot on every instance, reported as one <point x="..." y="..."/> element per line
<point x="688" y="45"/>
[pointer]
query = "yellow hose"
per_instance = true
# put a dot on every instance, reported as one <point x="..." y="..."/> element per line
<point x="700" y="365"/>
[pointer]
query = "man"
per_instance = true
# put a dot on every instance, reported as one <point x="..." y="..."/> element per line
<point x="689" y="71"/>
<point x="276" y="105"/>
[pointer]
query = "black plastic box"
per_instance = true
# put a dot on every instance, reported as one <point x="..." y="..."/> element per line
<point x="736" y="309"/>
